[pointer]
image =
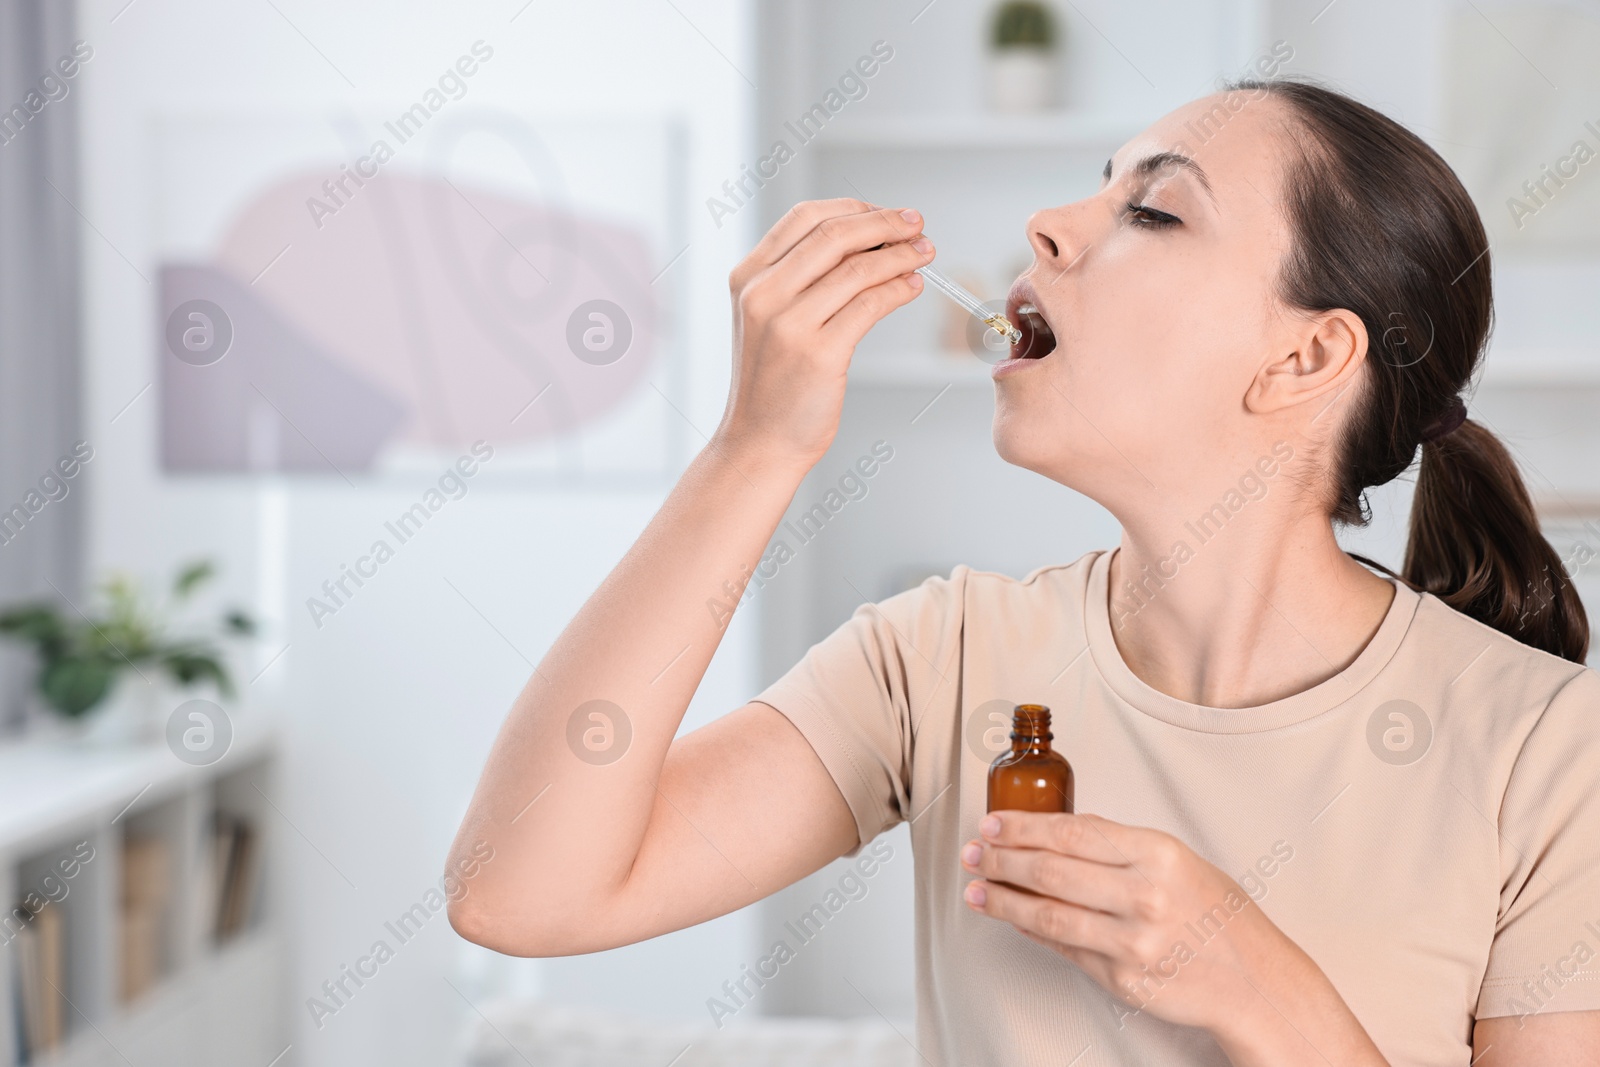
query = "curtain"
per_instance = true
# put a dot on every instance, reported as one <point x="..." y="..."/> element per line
<point x="41" y="510"/>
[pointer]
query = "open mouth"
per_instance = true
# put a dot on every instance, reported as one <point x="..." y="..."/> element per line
<point x="1038" y="339"/>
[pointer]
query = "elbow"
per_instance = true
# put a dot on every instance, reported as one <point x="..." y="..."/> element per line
<point x="478" y="908"/>
<point x="522" y="923"/>
<point x="499" y="929"/>
<point x="505" y="915"/>
<point x="506" y="930"/>
<point x="514" y="912"/>
<point x="474" y="923"/>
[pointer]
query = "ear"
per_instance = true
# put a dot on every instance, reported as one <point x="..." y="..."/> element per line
<point x="1325" y="354"/>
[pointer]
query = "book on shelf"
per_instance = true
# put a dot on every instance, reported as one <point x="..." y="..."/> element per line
<point x="146" y="883"/>
<point x="236" y="858"/>
<point x="40" y="975"/>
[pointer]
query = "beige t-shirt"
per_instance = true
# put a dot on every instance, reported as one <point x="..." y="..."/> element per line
<point x="1425" y="824"/>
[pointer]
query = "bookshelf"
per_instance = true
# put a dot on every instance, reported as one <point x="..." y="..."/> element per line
<point x="134" y="861"/>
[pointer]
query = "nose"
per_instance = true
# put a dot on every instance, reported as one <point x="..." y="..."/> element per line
<point x="1058" y="235"/>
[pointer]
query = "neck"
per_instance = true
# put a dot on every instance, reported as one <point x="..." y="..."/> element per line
<point x="1263" y="608"/>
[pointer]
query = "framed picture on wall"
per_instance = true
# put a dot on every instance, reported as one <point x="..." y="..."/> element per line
<point x="365" y="295"/>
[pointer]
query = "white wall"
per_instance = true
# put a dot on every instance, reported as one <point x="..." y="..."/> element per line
<point x="391" y="705"/>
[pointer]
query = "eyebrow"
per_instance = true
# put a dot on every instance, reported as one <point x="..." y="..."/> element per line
<point x="1149" y="165"/>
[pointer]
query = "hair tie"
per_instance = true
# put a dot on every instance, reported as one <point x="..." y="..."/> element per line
<point x="1453" y="417"/>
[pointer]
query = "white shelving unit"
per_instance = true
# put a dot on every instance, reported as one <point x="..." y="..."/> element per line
<point x="213" y="1002"/>
<point x="1563" y="368"/>
<point x="934" y="368"/>
<point x="1059" y="131"/>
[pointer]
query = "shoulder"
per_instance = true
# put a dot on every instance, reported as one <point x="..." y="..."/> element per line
<point x="1491" y="661"/>
<point x="1047" y="583"/>
<point x="931" y="625"/>
<point x="1530" y="708"/>
<point x="942" y="603"/>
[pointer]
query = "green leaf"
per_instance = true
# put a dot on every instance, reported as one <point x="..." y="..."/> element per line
<point x="192" y="576"/>
<point x="39" y="623"/>
<point x="240" y="622"/>
<point x="72" y="685"/>
<point x="191" y="665"/>
<point x="121" y="595"/>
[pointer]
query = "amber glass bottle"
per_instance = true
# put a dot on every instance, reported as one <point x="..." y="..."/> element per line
<point x="1031" y="776"/>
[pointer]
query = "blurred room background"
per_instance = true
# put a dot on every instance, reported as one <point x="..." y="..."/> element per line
<point x="344" y="349"/>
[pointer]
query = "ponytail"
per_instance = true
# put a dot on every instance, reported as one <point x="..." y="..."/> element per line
<point x="1383" y="227"/>
<point x="1475" y="543"/>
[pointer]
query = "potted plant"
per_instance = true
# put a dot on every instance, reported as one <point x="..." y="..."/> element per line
<point x="123" y="654"/>
<point x="1022" y="61"/>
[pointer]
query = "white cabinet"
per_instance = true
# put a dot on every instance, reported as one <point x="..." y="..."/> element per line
<point x="120" y="850"/>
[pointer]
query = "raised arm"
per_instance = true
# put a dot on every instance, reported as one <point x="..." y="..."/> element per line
<point x="589" y="849"/>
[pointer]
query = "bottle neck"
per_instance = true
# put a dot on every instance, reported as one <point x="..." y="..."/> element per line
<point x="1030" y="728"/>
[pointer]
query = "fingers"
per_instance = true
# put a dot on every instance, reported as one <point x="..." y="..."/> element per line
<point x="1051" y="919"/>
<point x="841" y="265"/>
<point x="837" y="237"/>
<point x="1076" y="881"/>
<point x="851" y="323"/>
<point x="859" y="272"/>
<point x="799" y="221"/>
<point x="1088" y="837"/>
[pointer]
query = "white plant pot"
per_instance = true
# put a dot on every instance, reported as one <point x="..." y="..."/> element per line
<point x="1022" y="79"/>
<point x="133" y="713"/>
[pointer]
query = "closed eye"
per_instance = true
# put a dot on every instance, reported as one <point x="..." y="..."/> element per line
<point x="1142" y="215"/>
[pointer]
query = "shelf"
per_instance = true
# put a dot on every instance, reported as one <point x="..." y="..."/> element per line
<point x="919" y="368"/>
<point x="174" y="1016"/>
<point x="1056" y="131"/>
<point x="48" y="787"/>
<point x="140" y="973"/>
<point x="1542" y="369"/>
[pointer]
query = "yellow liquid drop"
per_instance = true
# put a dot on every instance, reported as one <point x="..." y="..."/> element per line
<point x="1002" y="325"/>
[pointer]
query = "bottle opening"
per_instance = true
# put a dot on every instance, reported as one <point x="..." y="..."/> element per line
<point x="1030" y="724"/>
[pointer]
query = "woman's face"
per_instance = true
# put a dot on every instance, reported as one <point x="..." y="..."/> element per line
<point x="1160" y="292"/>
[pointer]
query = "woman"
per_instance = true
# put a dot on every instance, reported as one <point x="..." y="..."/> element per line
<point x="1325" y="816"/>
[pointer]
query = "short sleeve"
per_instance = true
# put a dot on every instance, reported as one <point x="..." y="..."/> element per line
<point x="858" y="694"/>
<point x="1546" y="951"/>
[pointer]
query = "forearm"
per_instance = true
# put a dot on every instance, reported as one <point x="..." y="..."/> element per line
<point x="642" y="642"/>
<point x="566" y="822"/>
<point x="1288" y="1013"/>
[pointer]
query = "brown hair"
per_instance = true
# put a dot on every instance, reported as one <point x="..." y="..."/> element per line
<point x="1383" y="228"/>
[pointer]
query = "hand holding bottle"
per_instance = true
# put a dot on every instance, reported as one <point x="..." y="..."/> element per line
<point x="1160" y="928"/>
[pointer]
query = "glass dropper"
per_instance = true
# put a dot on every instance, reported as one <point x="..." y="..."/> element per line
<point x="992" y="319"/>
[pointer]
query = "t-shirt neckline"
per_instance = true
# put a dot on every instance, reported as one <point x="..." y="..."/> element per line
<point x="1297" y="707"/>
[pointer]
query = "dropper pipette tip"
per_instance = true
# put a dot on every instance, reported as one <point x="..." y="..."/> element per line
<point x="995" y="320"/>
<point x="1002" y="325"/>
